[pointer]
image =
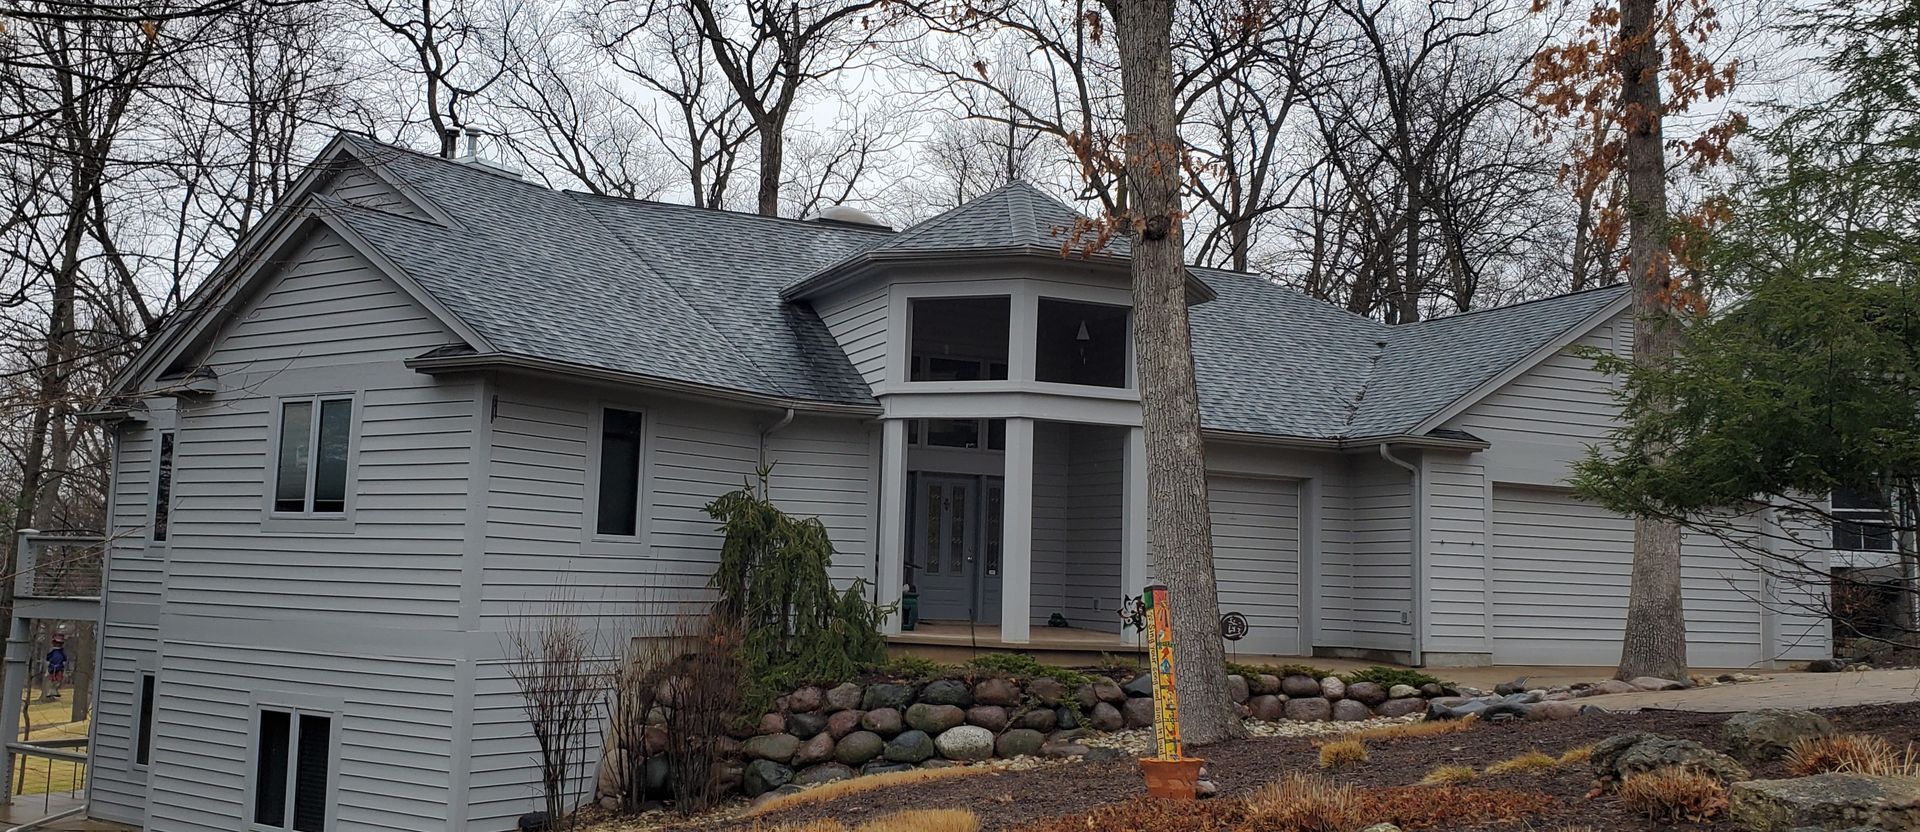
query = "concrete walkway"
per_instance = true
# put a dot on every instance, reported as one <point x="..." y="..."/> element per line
<point x="1783" y="690"/>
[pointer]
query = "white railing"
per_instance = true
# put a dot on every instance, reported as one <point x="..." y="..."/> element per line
<point x="58" y="565"/>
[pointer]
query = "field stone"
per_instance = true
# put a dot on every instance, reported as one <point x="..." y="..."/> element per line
<point x="991" y="717"/>
<point x="1106" y="717"/>
<point x="1656" y="683"/>
<point x="805" y="699"/>
<point x="1107" y="691"/>
<point x="1065" y="718"/>
<point x="1237" y="688"/>
<point x="1085" y="697"/>
<point x="763" y="776"/>
<point x="1298" y="687"/>
<point x="1038" y="719"/>
<point x="965" y="743"/>
<point x="727" y="748"/>
<point x="1267" y="707"/>
<point x="886" y="696"/>
<point x="859" y="747"/>
<point x="1402" y="691"/>
<point x="1614" y="686"/>
<point x="1265" y="684"/>
<point x="771" y="724"/>
<point x="1554" y="711"/>
<point x="1400" y="707"/>
<point x="844" y="697"/>
<point x="1366" y="693"/>
<point x="779" y="748"/>
<point x="1759" y="736"/>
<point x="842" y="723"/>
<point x="1432" y="689"/>
<point x="1141" y="685"/>
<point x="1622" y="754"/>
<point x="1826" y="801"/>
<point x="653" y="739"/>
<point x="947" y="692"/>
<point x="1002" y="692"/>
<point x="934" y="718"/>
<point x="816" y="750"/>
<point x="1019" y="742"/>
<point x="1332" y="688"/>
<point x="1138" y="713"/>
<point x="910" y="747"/>
<point x="823" y="773"/>
<point x="883" y="721"/>
<point x="1047" y="690"/>
<point x="806" y="725"/>
<point x="1309" y="709"/>
<point x="1347" y="710"/>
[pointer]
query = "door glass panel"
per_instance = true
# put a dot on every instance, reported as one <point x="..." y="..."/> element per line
<point x="933" y="529"/>
<point x="992" y="543"/>
<point x="956" y="558"/>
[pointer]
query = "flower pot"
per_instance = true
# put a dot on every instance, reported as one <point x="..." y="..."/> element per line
<point x="1172" y="779"/>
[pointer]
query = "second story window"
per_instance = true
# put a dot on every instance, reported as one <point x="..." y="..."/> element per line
<point x="163" y="488"/>
<point x="311" y="473"/>
<point x="617" y="511"/>
<point x="960" y="339"/>
<point x="1861" y="522"/>
<point x="1081" y="343"/>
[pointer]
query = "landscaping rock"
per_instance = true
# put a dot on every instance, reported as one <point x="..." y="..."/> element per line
<point x="1400" y="692"/>
<point x="1047" y="690"/>
<point x="1138" y="713"/>
<point x="727" y="748"/>
<point x="1141" y="685"/>
<point x="771" y="724"/>
<point x="842" y="723"/>
<point x="1366" y="693"/>
<point x="1432" y="689"/>
<point x="806" y="725"/>
<point x="1332" y="688"/>
<point x="654" y="739"/>
<point x="1400" y="707"/>
<point x="1509" y="688"/>
<point x="1826" y="801"/>
<point x="613" y="769"/>
<point x="991" y="717"/>
<point x="1656" y="683"/>
<point x="1085" y="697"/>
<point x="1265" y="684"/>
<point x="966" y="743"/>
<point x="844" y="697"/>
<point x="1347" y="710"/>
<point x="859" y="747"/>
<point x="884" y="767"/>
<point x="1826" y="666"/>
<point x="910" y="747"/>
<point x="822" y="773"/>
<point x="1312" y="708"/>
<point x="763" y="776"/>
<point x="896" y="697"/>
<point x="1002" y="692"/>
<point x="1038" y="719"/>
<point x="1614" y="686"/>
<point x="1059" y="750"/>
<point x="779" y="748"/>
<point x="1618" y="756"/>
<point x="1267" y="707"/>
<point x="1555" y="711"/>
<point x="1106" y="717"/>
<point x="947" y="692"/>
<point x="1297" y="687"/>
<point x="1107" y="691"/>
<point x="1237" y="689"/>
<point x="883" y="721"/>
<point x="532" y="822"/>
<point x="1381" y="827"/>
<point x="1759" y="736"/>
<point x="1019" y="742"/>
<point x="1065" y="718"/>
<point x="934" y="718"/>
<point x="805" y="699"/>
<point x="816" y="750"/>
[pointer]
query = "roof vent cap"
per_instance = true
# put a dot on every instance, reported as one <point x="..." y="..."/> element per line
<point x="849" y="215"/>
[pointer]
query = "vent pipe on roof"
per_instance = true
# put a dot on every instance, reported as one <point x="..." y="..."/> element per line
<point x="473" y="142"/>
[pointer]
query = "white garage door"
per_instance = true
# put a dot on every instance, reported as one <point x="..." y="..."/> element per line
<point x="1562" y="569"/>
<point x="1256" y="557"/>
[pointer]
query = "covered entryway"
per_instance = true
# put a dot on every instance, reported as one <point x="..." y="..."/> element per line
<point x="1256" y="557"/>
<point x="955" y="546"/>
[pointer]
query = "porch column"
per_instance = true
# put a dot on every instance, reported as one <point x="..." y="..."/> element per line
<point x="892" y="537"/>
<point x="1133" y="515"/>
<point x="1016" y="546"/>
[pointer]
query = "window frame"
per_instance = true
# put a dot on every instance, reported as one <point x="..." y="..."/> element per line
<point x="161" y="458"/>
<point x="1861" y="518"/>
<point x="143" y="717"/>
<point x="307" y="520"/>
<point x="590" y="496"/>
<point x="294" y="706"/>
<point x="1128" y="372"/>
<point x="1010" y="355"/>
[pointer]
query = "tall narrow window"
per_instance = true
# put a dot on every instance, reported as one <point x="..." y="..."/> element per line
<point x="312" y="470"/>
<point x="291" y="776"/>
<point x="143" y="743"/>
<point x="619" y="501"/>
<point x="163" y="488"/>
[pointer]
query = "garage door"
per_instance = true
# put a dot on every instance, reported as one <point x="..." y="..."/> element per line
<point x="1256" y="557"/>
<point x="1562" y="569"/>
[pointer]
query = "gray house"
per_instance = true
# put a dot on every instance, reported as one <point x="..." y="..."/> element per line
<point x="425" y="394"/>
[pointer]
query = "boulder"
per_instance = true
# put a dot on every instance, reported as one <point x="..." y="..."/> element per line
<point x="1002" y="692"/>
<point x="1555" y="711"/>
<point x="1047" y="690"/>
<point x="1656" y="683"/>
<point x="1237" y="689"/>
<point x="885" y="767"/>
<point x="1509" y="688"/>
<point x="910" y="747"/>
<point x="1400" y="707"/>
<point x="991" y="717"/>
<point x="1618" y="756"/>
<point x="1826" y="666"/>
<point x="1138" y="713"/>
<point x="1402" y="691"/>
<point x="1066" y="718"/>
<point x="934" y="718"/>
<point x="947" y="692"/>
<point x="779" y="748"/>
<point x="805" y="699"/>
<point x="1347" y="710"/>
<point x="1141" y="685"/>
<point x="1613" y="686"/>
<point x="1265" y="684"/>
<point x="1107" y="691"/>
<point x="728" y="748"/>
<point x="1297" y="687"/>
<point x="822" y="773"/>
<point x="1037" y="719"/>
<point x="1105" y="717"/>
<point x="844" y="697"/>
<point x="1019" y="742"/>
<point x="1085" y="697"/>
<point x="532" y="822"/>
<point x="805" y="725"/>
<point x="1311" y="708"/>
<point x="966" y="744"/>
<point x="654" y="739"/>
<point x="771" y="724"/>
<point x="1267" y="707"/>
<point x="1332" y="688"/>
<point x="816" y="750"/>
<point x="1432" y="689"/>
<point x="611" y="779"/>
<point x="896" y="697"/>
<point x="883" y="721"/>
<point x="1759" y="736"/>
<point x="842" y="723"/>
<point x="1366" y="693"/>
<point x="1826" y="801"/>
<point x="859" y="747"/>
<point x="763" y="776"/>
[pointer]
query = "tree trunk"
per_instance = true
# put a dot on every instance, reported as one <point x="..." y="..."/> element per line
<point x="1182" y="533"/>
<point x="80" y="669"/>
<point x="1655" y="642"/>
<point x="772" y="149"/>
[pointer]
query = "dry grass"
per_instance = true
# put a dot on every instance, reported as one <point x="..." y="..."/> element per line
<point x="1530" y="762"/>
<point x="918" y="820"/>
<point x="1576" y="755"/>
<point x="1423" y="728"/>
<point x="1673" y="795"/>
<point x="1343" y="753"/>
<point x="1304" y="803"/>
<point x="857" y="785"/>
<point x="1857" y="753"/>
<point x="1449" y="776"/>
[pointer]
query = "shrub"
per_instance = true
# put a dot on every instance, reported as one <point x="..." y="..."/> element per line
<point x="1531" y="761"/>
<point x="1387" y="677"/>
<point x="1423" y="728"/>
<point x="1673" y="794"/>
<point x="1342" y="753"/>
<point x="1023" y="666"/>
<point x="1451" y="775"/>
<point x="913" y="668"/>
<point x="1281" y="670"/>
<point x="1303" y="803"/>
<point x="1858" y="753"/>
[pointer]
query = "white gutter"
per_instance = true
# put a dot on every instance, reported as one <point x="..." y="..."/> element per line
<point x="1416" y="619"/>
<point x="547" y="369"/>
<point x="770" y="431"/>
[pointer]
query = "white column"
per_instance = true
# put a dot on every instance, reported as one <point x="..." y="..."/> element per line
<point x="1016" y="547"/>
<point x="1133" y="515"/>
<point x="891" y="546"/>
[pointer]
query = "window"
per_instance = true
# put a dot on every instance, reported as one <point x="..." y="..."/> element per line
<point x="618" y="506"/>
<point x="313" y="456"/>
<point x="1081" y="343"/>
<point x="290" y="778"/>
<point x="163" y="488"/>
<point x="1861" y="522"/>
<point x="960" y="339"/>
<point x="958" y="433"/>
<point x="143" y="742"/>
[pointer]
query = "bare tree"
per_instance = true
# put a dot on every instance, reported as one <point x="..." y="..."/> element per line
<point x="701" y="126"/>
<point x="558" y="660"/>
<point x="455" y="49"/>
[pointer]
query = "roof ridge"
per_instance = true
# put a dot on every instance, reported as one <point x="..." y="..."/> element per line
<point x="1516" y="305"/>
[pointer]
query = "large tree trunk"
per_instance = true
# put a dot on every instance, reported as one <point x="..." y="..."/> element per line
<point x="772" y="155"/>
<point x="1655" y="643"/>
<point x="1182" y="532"/>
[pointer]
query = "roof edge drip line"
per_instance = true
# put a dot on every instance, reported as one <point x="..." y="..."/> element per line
<point x="432" y="364"/>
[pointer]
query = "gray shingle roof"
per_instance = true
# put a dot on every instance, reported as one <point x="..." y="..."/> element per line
<point x="694" y="295"/>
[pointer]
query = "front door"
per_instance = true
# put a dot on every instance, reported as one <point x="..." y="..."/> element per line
<point x="946" y="546"/>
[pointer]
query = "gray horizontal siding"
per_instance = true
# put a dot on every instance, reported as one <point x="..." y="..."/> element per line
<point x="825" y="468"/>
<point x="118" y="790"/>
<point x="1562" y="400"/>
<point x="1256" y="556"/>
<point x="1456" y="615"/>
<point x="859" y="324"/>
<point x="505" y="782"/>
<point x="359" y="186"/>
<point x="1382" y="524"/>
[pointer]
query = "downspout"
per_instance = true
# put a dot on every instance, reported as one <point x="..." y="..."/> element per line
<point x="1416" y="619"/>
<point x="767" y="434"/>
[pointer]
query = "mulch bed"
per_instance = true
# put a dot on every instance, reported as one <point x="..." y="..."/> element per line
<point x="1006" y="800"/>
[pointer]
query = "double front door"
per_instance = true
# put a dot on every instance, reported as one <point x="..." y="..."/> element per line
<point x="956" y="539"/>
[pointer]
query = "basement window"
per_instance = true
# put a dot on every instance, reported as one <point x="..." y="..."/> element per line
<point x="1081" y="343"/>
<point x="293" y="774"/>
<point x="960" y="339"/>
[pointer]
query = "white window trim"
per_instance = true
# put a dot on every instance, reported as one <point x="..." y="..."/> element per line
<point x="643" y="514"/>
<point x="275" y="520"/>
<point x="153" y="492"/>
<point x="1863" y="517"/>
<point x="294" y="705"/>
